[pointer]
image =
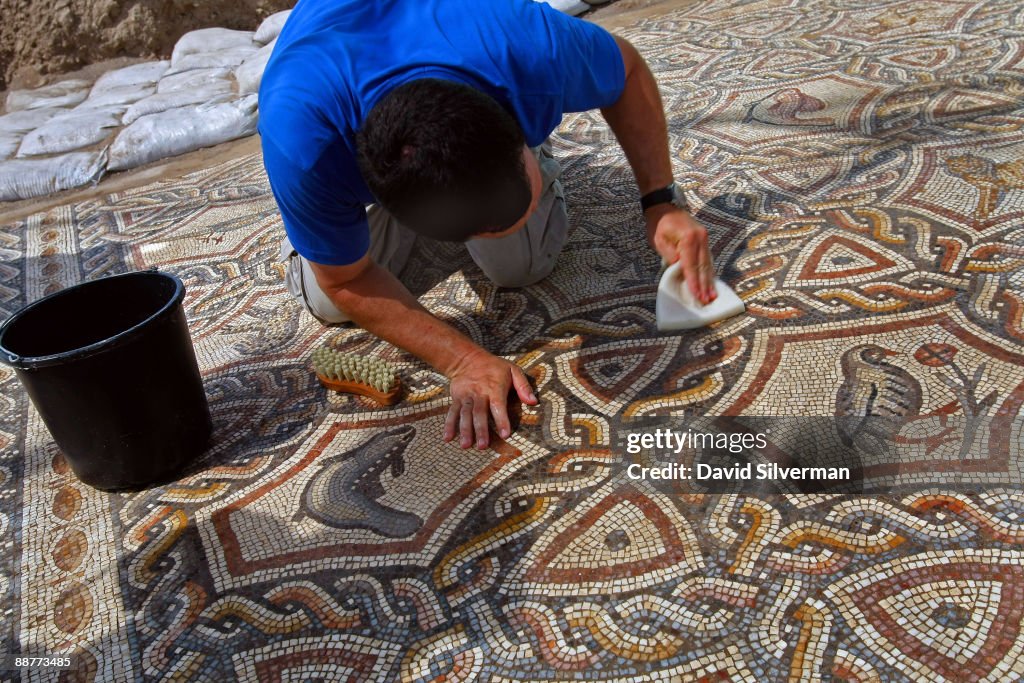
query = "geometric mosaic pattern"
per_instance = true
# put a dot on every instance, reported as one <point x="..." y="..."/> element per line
<point x="860" y="166"/>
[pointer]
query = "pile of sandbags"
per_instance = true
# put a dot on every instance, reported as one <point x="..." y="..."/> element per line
<point x="570" y="7"/>
<point x="69" y="133"/>
<point x="40" y="128"/>
<point x="250" y="72"/>
<point x="176" y="131"/>
<point x="9" y="143"/>
<point x="270" y="28"/>
<point x="186" y="89"/>
<point x="209" y="48"/>
<point x="13" y="127"/>
<point x="24" y="178"/>
<point x="197" y="102"/>
<point x="63" y="94"/>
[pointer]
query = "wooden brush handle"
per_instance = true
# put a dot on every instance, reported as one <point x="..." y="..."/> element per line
<point x="351" y="387"/>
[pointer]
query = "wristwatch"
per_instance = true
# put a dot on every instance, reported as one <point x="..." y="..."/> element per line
<point x="665" y="195"/>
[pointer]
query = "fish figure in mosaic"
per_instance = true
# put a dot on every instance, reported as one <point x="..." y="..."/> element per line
<point x="874" y="396"/>
<point x="787" y="108"/>
<point x="344" y="493"/>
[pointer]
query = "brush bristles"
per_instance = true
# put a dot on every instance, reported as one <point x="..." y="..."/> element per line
<point x="346" y="366"/>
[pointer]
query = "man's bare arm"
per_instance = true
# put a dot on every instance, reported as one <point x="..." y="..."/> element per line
<point x="376" y="301"/>
<point x="638" y="121"/>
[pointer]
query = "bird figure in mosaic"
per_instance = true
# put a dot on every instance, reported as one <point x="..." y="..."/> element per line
<point x="991" y="179"/>
<point x="874" y="396"/>
<point x="345" y="492"/>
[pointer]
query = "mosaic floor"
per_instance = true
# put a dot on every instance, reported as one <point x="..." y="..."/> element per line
<point x="860" y="165"/>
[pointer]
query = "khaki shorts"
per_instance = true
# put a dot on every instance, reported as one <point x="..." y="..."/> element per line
<point x="516" y="260"/>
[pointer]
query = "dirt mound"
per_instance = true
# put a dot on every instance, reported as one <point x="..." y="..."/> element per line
<point x="39" y="37"/>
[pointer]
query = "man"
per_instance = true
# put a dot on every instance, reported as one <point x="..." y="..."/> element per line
<point x="384" y="120"/>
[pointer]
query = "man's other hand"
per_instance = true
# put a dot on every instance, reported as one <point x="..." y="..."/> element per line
<point x="479" y="387"/>
<point x="677" y="236"/>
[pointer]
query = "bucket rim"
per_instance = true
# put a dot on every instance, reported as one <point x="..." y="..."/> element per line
<point x="20" y="362"/>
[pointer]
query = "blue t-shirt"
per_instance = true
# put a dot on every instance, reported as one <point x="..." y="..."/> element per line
<point x="336" y="58"/>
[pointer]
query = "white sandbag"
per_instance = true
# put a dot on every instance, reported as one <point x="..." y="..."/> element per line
<point x="177" y="131"/>
<point x="26" y="178"/>
<point x="212" y="93"/>
<point x="63" y="94"/>
<point x="251" y="70"/>
<point x="231" y="57"/>
<point x="190" y="80"/>
<point x="209" y="40"/>
<point x="146" y="73"/>
<point x="571" y="7"/>
<point x="9" y="143"/>
<point x="123" y="95"/>
<point x="70" y="131"/>
<point x="270" y="27"/>
<point x="28" y="119"/>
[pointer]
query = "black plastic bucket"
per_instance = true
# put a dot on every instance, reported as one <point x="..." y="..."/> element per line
<point x="110" y="367"/>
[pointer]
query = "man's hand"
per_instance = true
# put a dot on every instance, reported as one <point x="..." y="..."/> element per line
<point x="479" y="387"/>
<point x="675" y="235"/>
<point x="375" y="300"/>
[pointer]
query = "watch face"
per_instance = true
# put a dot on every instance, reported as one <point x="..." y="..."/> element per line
<point x="666" y="195"/>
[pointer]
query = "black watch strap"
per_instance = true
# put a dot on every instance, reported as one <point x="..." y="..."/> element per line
<point x="666" y="195"/>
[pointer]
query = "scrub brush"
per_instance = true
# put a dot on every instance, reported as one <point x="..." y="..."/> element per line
<point x="354" y="374"/>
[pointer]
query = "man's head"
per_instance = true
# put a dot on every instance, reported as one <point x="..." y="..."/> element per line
<point x="448" y="162"/>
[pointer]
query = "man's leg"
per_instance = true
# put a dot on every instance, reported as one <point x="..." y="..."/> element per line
<point x="528" y="255"/>
<point x="390" y="246"/>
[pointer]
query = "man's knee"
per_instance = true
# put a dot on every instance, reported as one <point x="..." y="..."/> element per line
<point x="512" y="277"/>
<point x="529" y="255"/>
<point x="326" y="315"/>
<point x="302" y="285"/>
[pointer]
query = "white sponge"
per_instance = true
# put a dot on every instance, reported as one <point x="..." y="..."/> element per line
<point x="677" y="309"/>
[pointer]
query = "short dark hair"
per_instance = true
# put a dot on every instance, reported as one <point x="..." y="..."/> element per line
<point x="445" y="159"/>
